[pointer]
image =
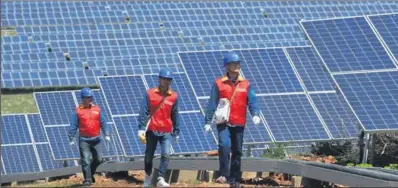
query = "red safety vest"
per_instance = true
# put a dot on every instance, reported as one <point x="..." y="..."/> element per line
<point x="161" y="120"/>
<point x="237" y="115"/>
<point x="89" y="121"/>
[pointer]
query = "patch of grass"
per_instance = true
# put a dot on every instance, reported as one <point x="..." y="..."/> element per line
<point x="18" y="103"/>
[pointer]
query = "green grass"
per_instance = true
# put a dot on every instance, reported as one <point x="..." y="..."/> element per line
<point x="18" y="103"/>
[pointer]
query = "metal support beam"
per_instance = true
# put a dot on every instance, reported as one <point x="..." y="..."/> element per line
<point x="366" y="148"/>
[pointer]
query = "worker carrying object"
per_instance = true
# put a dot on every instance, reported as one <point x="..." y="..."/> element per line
<point x="89" y="120"/>
<point x="230" y="96"/>
<point x="158" y="122"/>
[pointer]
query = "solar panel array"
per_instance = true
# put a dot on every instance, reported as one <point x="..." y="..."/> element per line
<point x="113" y="38"/>
<point x="359" y="53"/>
<point x="304" y="93"/>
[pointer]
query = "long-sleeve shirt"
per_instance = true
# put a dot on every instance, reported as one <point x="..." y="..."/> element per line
<point x="214" y="98"/>
<point x="74" y="126"/>
<point x="144" y="113"/>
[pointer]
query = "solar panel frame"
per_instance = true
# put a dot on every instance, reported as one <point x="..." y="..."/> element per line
<point x="335" y="68"/>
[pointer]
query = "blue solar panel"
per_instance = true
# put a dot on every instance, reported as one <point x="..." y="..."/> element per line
<point x="387" y="25"/>
<point x="46" y="158"/>
<point x="373" y="97"/>
<point x="336" y="113"/>
<point x="127" y="126"/>
<point x="55" y="107"/>
<point x="59" y="143"/>
<point x="310" y="68"/>
<point x="348" y="44"/>
<point x="202" y="69"/>
<point x="180" y="84"/>
<point x="253" y="134"/>
<point x="39" y="135"/>
<point x="291" y="118"/>
<point x="99" y="99"/>
<point x="193" y="139"/>
<point x="14" y="130"/>
<point x="19" y="159"/>
<point x="124" y="94"/>
<point x="268" y="71"/>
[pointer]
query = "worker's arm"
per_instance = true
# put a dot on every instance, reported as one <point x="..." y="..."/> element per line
<point x="252" y="102"/>
<point x="106" y="129"/>
<point x="144" y="113"/>
<point x="74" y="125"/>
<point x="211" y="104"/>
<point x="175" y="118"/>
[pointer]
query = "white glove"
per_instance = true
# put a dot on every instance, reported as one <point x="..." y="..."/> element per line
<point x="207" y="128"/>
<point x="108" y="138"/>
<point x="256" y="120"/>
<point x="141" y="133"/>
<point x="176" y="138"/>
<point x="71" y="143"/>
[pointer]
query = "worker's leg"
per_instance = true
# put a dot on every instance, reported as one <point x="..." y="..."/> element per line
<point x="236" y="148"/>
<point x="85" y="157"/>
<point x="165" y="142"/>
<point x="97" y="157"/>
<point x="224" y="148"/>
<point x="151" y="142"/>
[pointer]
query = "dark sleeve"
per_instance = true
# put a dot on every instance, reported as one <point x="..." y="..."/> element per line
<point x="252" y="102"/>
<point x="212" y="104"/>
<point x="144" y="113"/>
<point x="175" y="118"/>
<point x="74" y="125"/>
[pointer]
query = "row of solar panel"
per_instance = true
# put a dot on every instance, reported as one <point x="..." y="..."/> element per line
<point x="164" y="44"/>
<point x="127" y="33"/>
<point x="119" y="53"/>
<point x="179" y="5"/>
<point x="152" y="26"/>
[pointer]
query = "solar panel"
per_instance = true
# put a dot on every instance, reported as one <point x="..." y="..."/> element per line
<point x="180" y="84"/>
<point x="202" y="69"/>
<point x="253" y="134"/>
<point x="291" y="118"/>
<point x="387" y="25"/>
<point x="14" y="130"/>
<point x="19" y="159"/>
<point x="124" y="94"/>
<point x="336" y="113"/>
<point x="373" y="97"/>
<point x="347" y="44"/>
<point x="39" y="134"/>
<point x="59" y="143"/>
<point x="310" y="68"/>
<point x="99" y="99"/>
<point x="47" y="161"/>
<point x="193" y="138"/>
<point x="55" y="107"/>
<point x="268" y="71"/>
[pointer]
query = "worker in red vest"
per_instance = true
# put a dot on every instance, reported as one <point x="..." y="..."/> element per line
<point x="158" y="122"/>
<point x="231" y="88"/>
<point x="89" y="120"/>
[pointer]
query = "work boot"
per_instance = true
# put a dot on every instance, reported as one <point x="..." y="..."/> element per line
<point x="147" y="181"/>
<point x="92" y="179"/>
<point x="221" y="179"/>
<point x="162" y="183"/>
<point x="87" y="183"/>
<point x="235" y="185"/>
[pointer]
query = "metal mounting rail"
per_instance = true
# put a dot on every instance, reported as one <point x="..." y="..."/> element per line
<point x="349" y="176"/>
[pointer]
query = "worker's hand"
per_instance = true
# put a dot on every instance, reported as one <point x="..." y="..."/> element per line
<point x="207" y="128"/>
<point x="107" y="138"/>
<point x="256" y="120"/>
<point x="71" y="143"/>
<point x="141" y="133"/>
<point x="176" y="139"/>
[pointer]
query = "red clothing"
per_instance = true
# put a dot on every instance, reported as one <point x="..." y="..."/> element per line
<point x="161" y="120"/>
<point x="238" y="106"/>
<point x="89" y="121"/>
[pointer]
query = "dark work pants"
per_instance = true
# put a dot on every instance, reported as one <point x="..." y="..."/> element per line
<point x="90" y="149"/>
<point x="230" y="139"/>
<point x="151" y="143"/>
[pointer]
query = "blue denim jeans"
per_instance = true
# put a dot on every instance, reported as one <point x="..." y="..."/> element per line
<point x="230" y="139"/>
<point x="90" y="149"/>
<point x="151" y="143"/>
